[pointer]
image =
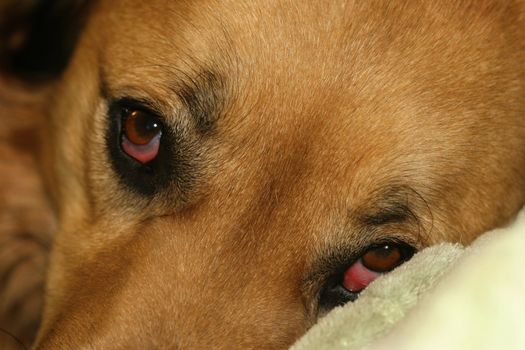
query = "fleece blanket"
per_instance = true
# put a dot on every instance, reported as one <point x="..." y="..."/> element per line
<point x="446" y="297"/>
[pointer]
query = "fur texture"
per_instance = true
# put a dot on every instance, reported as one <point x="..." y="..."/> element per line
<point x="299" y="133"/>
<point x="26" y="220"/>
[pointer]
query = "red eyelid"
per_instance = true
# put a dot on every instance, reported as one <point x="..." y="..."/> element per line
<point x="357" y="277"/>
<point x="142" y="153"/>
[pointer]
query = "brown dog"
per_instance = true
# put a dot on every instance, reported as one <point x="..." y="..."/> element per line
<point x="218" y="167"/>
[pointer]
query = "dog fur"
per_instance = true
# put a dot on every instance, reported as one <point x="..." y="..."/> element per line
<point x="306" y="130"/>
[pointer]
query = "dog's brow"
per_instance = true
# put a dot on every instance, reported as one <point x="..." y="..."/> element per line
<point x="390" y="206"/>
<point x="391" y="212"/>
<point x="204" y="97"/>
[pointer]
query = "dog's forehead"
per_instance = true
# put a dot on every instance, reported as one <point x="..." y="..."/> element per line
<point x="285" y="60"/>
<point x="292" y="59"/>
<point x="201" y="25"/>
<point x="349" y="86"/>
<point x="339" y="54"/>
<point x="336" y="83"/>
<point x="261" y="44"/>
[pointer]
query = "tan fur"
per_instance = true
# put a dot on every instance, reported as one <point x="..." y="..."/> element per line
<point x="327" y="108"/>
<point x="26" y="221"/>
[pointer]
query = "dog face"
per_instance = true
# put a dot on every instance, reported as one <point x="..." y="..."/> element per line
<point x="217" y="167"/>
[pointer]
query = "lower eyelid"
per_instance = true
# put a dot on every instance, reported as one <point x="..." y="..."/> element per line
<point x="357" y="277"/>
<point x="142" y="153"/>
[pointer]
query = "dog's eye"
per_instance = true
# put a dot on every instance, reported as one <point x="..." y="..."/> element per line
<point x="145" y="152"/>
<point x="141" y="135"/>
<point x="346" y="285"/>
<point x="372" y="264"/>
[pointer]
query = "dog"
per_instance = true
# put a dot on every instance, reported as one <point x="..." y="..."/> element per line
<point x="224" y="173"/>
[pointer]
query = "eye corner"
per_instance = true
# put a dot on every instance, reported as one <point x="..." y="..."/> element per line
<point x="332" y="294"/>
<point x="327" y="281"/>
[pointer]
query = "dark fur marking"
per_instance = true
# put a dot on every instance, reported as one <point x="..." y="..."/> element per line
<point x="203" y="96"/>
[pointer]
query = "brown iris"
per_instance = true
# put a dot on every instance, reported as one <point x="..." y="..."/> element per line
<point x="140" y="128"/>
<point x="382" y="258"/>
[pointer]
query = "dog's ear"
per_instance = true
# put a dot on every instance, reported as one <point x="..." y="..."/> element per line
<point x="37" y="37"/>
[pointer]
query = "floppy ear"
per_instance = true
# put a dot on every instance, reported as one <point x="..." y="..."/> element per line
<point x="37" y="37"/>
